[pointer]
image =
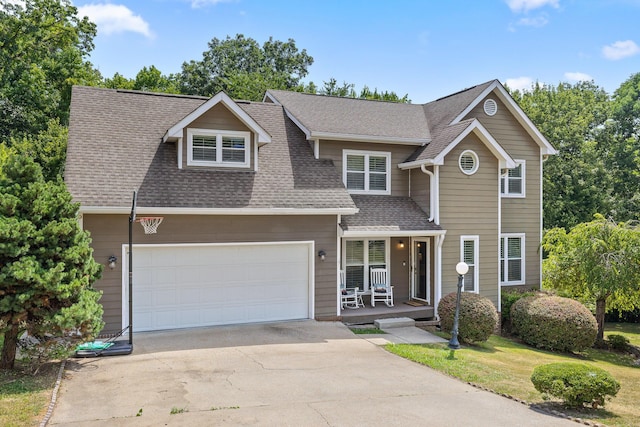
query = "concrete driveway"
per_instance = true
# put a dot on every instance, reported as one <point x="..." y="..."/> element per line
<point x="282" y="374"/>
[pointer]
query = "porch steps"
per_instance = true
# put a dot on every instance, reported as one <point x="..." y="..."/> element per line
<point x="395" y="322"/>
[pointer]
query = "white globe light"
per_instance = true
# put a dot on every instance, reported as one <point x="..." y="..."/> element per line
<point x="462" y="268"/>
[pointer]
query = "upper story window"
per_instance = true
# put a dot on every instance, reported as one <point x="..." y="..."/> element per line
<point x="208" y="147"/>
<point x="367" y="172"/>
<point x="512" y="183"/>
<point x="468" y="162"/>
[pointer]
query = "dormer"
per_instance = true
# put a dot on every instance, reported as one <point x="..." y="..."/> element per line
<point x="218" y="134"/>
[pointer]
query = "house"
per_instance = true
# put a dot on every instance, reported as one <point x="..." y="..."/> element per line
<point x="266" y="203"/>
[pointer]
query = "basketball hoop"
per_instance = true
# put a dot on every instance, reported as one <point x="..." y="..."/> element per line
<point x="150" y="223"/>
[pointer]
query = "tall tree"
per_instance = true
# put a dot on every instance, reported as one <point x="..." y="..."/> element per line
<point x="624" y="147"/>
<point x="43" y="46"/>
<point x="48" y="148"/>
<point x="148" y="79"/>
<point x="577" y="183"/>
<point x="275" y="65"/>
<point x="597" y="262"/>
<point x="46" y="262"/>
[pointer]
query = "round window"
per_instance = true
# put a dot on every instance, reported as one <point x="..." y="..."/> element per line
<point x="490" y="107"/>
<point x="468" y="162"/>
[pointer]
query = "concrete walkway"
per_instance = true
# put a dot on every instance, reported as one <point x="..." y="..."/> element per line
<point x="283" y="374"/>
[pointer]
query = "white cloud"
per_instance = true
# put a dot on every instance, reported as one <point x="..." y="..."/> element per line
<point x="114" y="19"/>
<point x="196" y="4"/>
<point x="620" y="49"/>
<point x="520" y="83"/>
<point x="519" y="6"/>
<point x="539" y="21"/>
<point x="577" y="77"/>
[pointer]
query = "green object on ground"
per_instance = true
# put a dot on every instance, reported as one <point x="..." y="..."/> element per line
<point x="94" y="345"/>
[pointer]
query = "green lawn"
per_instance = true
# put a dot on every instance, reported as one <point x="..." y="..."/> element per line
<point x="24" y="398"/>
<point x="629" y="330"/>
<point x="505" y="366"/>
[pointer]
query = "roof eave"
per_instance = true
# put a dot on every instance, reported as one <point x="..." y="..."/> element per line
<point x="144" y="210"/>
<point x="336" y="136"/>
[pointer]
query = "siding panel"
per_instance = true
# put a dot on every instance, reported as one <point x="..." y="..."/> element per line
<point x="110" y="233"/>
<point x="469" y="206"/>
<point x="399" y="153"/>
<point x="519" y="215"/>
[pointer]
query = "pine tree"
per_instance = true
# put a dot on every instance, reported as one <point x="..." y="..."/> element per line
<point x="46" y="263"/>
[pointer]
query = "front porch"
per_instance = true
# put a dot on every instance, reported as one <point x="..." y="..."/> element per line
<point x="368" y="314"/>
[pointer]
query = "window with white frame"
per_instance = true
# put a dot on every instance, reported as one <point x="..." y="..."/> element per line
<point x="208" y="147"/>
<point x="367" y="172"/>
<point x="469" y="253"/>
<point x="512" y="182"/>
<point x="512" y="259"/>
<point x="360" y="256"/>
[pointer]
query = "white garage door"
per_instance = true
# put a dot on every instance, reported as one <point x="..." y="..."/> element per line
<point x="183" y="286"/>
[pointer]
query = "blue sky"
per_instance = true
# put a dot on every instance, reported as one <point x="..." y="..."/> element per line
<point x="427" y="49"/>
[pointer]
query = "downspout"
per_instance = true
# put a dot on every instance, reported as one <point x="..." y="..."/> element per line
<point x="434" y="196"/>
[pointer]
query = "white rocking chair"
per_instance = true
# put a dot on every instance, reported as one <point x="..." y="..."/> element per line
<point x="381" y="290"/>
<point x="349" y="298"/>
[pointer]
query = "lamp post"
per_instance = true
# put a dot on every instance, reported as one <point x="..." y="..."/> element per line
<point x="461" y="269"/>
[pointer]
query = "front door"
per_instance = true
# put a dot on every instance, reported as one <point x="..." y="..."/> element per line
<point x="420" y="268"/>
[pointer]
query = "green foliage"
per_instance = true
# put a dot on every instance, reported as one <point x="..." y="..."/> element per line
<point x="275" y="64"/>
<point x="576" y="384"/>
<point x="477" y="320"/>
<point x="577" y="181"/>
<point x="43" y="46"/>
<point x="553" y="323"/>
<point x="597" y="262"/>
<point x="347" y="90"/>
<point x="48" y="149"/>
<point x="617" y="342"/>
<point x="508" y="297"/>
<point x="148" y="79"/>
<point x="624" y="147"/>
<point x="46" y="262"/>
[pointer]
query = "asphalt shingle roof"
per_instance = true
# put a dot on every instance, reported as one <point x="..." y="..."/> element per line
<point x="349" y="116"/>
<point x="387" y="213"/>
<point x="115" y="148"/>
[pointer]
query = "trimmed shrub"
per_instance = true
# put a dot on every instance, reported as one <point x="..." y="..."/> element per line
<point x="509" y="297"/>
<point x="618" y="342"/>
<point x="478" y="316"/>
<point x="554" y="323"/>
<point x="575" y="383"/>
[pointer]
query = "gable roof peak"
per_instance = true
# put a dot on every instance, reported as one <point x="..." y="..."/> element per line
<point x="220" y="98"/>
<point x="481" y="85"/>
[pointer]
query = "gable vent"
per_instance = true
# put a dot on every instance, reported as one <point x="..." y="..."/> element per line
<point x="490" y="107"/>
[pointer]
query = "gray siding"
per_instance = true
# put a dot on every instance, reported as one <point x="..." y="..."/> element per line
<point x="519" y="215"/>
<point x="399" y="153"/>
<point x="110" y="232"/>
<point x="469" y="206"/>
<point x="420" y="188"/>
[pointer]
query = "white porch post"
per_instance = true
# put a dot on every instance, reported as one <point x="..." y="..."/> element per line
<point x="438" y="274"/>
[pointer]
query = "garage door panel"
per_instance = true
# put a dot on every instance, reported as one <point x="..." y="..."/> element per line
<point x="189" y="286"/>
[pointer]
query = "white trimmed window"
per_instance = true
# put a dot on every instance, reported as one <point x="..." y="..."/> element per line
<point x="469" y="253"/>
<point x="512" y="259"/>
<point x="360" y="256"/>
<point x="468" y="162"/>
<point x="366" y="172"/>
<point x="208" y="147"/>
<point x="512" y="182"/>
